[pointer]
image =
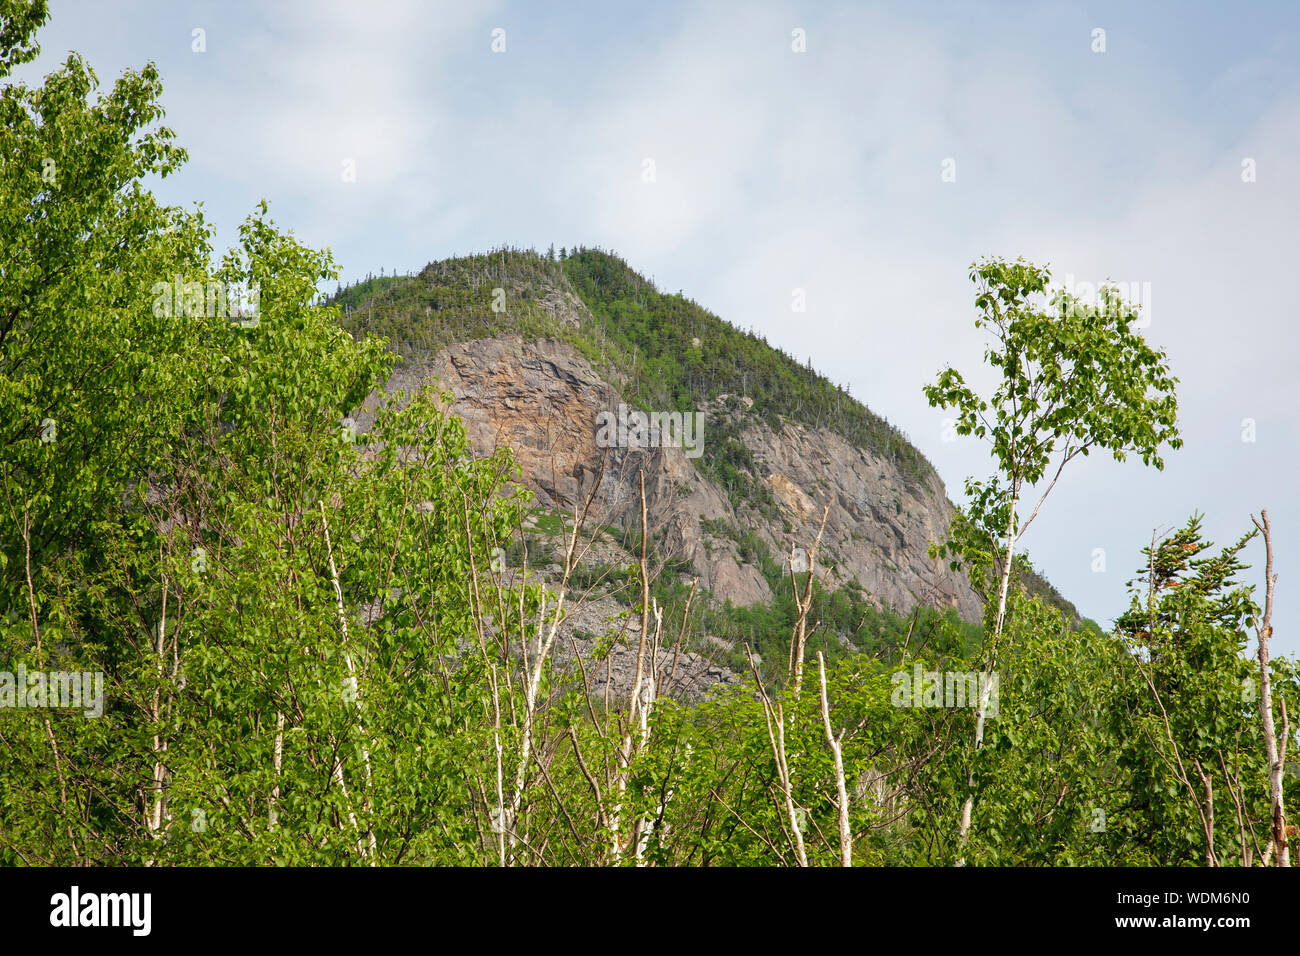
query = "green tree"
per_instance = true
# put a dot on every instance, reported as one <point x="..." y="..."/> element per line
<point x="95" y="386"/>
<point x="1073" y="377"/>
<point x="1187" y="733"/>
<point x="185" y="510"/>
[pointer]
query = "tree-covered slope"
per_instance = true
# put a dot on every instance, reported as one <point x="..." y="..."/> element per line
<point x="662" y="352"/>
<point x="671" y="352"/>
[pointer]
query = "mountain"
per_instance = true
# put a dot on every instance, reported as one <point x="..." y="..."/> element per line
<point x="554" y="357"/>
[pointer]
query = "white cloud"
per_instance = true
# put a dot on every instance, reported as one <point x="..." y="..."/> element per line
<point x="819" y="170"/>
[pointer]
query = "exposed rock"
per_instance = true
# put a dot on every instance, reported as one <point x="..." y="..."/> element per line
<point x="879" y="526"/>
<point x="541" y="399"/>
<point x="609" y="663"/>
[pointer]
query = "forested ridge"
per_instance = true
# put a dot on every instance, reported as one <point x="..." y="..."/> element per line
<point x="670" y="353"/>
<point x="301" y="648"/>
<point x="673" y="353"/>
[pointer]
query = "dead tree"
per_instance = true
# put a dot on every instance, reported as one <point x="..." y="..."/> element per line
<point x="1281" y="851"/>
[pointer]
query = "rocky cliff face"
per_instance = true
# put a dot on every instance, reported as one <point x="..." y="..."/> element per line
<point x="543" y="400"/>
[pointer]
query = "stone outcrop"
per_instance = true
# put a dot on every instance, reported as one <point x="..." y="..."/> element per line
<point x="678" y="673"/>
<point x="541" y="399"/>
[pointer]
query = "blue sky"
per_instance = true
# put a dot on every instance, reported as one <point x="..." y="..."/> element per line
<point x="821" y="171"/>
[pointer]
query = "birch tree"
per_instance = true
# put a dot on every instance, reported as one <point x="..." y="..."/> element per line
<point x="1274" y="742"/>
<point x="1072" y="377"/>
<point x="1187" y="736"/>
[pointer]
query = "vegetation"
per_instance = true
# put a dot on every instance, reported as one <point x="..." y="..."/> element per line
<point x="308" y="651"/>
<point x="1075" y="377"/>
<point x="643" y="337"/>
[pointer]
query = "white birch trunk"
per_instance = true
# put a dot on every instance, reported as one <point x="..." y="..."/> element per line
<point x="1281" y="854"/>
<point x="370" y="847"/>
<point x="981" y="710"/>
<point x="837" y="752"/>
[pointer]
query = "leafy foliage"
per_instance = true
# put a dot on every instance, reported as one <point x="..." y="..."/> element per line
<point x="626" y="326"/>
<point x="311" y="653"/>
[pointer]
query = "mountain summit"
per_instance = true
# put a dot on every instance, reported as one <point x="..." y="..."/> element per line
<point x="590" y="375"/>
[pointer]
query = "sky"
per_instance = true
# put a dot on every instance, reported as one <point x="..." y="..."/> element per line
<point x="865" y="154"/>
